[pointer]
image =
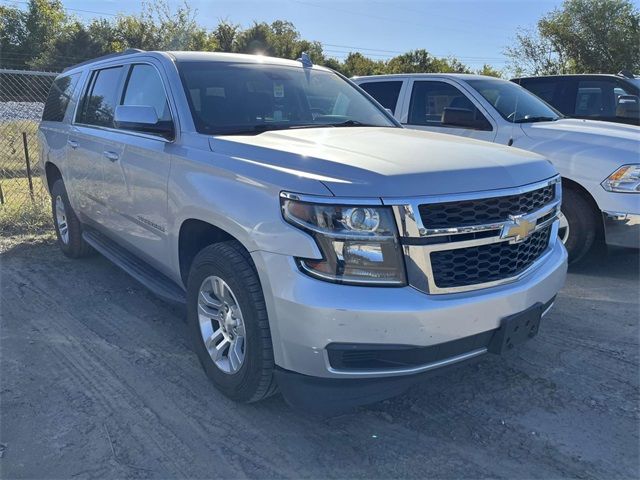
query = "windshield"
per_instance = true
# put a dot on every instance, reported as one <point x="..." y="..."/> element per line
<point x="227" y="98"/>
<point x="513" y="102"/>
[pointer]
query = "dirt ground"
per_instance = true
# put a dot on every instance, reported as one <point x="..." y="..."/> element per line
<point x="98" y="380"/>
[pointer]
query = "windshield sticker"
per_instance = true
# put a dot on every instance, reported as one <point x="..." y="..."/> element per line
<point x="278" y="90"/>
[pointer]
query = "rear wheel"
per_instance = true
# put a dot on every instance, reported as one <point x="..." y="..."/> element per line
<point x="68" y="227"/>
<point x="578" y="224"/>
<point x="228" y="320"/>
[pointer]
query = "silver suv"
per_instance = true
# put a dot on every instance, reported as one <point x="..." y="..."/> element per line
<point x="319" y="246"/>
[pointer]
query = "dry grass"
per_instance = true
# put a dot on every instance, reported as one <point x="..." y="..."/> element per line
<point x="24" y="216"/>
<point x="21" y="213"/>
<point x="12" y="160"/>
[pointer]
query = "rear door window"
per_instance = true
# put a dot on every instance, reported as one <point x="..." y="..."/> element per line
<point x="101" y="98"/>
<point x="429" y="99"/>
<point x="598" y="98"/>
<point x="386" y="93"/>
<point x="59" y="98"/>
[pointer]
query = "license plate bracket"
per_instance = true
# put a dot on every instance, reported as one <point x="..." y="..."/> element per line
<point x="516" y="329"/>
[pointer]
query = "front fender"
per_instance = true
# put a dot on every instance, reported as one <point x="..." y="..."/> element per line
<point x="248" y="209"/>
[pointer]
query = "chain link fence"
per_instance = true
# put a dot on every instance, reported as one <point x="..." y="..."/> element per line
<point x="22" y="97"/>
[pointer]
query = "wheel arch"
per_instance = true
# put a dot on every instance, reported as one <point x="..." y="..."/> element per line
<point x="52" y="173"/>
<point x="567" y="183"/>
<point x="194" y="235"/>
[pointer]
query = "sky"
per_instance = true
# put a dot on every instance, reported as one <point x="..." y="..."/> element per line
<point x="474" y="31"/>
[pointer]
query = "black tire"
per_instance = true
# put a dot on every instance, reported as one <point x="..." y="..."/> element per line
<point x="74" y="246"/>
<point x="583" y="224"/>
<point x="254" y="380"/>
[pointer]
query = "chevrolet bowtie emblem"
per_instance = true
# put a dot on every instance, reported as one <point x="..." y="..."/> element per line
<point x="519" y="229"/>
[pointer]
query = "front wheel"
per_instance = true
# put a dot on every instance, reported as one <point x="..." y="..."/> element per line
<point x="578" y="224"/>
<point x="228" y="320"/>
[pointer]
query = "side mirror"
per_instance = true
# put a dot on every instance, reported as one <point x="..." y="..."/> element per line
<point x="142" y="118"/>
<point x="628" y="106"/>
<point x="458" y="117"/>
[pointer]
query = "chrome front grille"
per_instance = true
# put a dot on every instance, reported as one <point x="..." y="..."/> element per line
<point x="484" y="210"/>
<point x="465" y="242"/>
<point x="462" y="267"/>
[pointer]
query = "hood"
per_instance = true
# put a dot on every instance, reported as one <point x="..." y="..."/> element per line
<point x="387" y="162"/>
<point x="586" y="133"/>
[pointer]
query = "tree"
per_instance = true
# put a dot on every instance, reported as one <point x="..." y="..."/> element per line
<point x="226" y="34"/>
<point x="44" y="21"/>
<point x="358" y="64"/>
<point x="24" y="35"/>
<point x="13" y="31"/>
<point x="535" y="55"/>
<point x="583" y="36"/>
<point x="45" y="37"/>
<point x="421" y="61"/>
<point x="489" y="71"/>
<point x="157" y="27"/>
<point x="75" y="44"/>
<point x="256" y="39"/>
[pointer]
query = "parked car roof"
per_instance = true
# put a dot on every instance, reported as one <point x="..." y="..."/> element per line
<point x="459" y="76"/>
<point x="577" y="75"/>
<point x="180" y="56"/>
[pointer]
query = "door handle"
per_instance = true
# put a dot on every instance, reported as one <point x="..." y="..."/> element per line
<point x="113" y="156"/>
<point x="73" y="144"/>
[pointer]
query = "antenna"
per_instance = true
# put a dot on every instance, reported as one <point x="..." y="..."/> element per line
<point x="305" y="60"/>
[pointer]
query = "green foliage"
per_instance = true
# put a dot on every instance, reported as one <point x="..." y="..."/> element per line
<point x="583" y="36"/>
<point x="489" y="71"/>
<point x="47" y="38"/>
<point x="226" y="34"/>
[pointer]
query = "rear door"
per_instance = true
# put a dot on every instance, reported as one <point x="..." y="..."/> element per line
<point x="427" y="101"/>
<point x="94" y="145"/>
<point x="596" y="98"/>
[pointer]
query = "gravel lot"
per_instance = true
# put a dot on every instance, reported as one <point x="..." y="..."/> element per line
<point x="98" y="380"/>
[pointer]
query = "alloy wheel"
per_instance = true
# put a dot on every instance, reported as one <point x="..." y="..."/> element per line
<point x="61" y="220"/>
<point x="221" y="324"/>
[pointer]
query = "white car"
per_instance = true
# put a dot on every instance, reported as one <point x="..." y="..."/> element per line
<point x="599" y="162"/>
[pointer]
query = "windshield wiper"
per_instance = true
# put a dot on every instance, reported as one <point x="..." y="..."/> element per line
<point x="258" y="129"/>
<point x="268" y="127"/>
<point x="351" y="123"/>
<point x="536" y="119"/>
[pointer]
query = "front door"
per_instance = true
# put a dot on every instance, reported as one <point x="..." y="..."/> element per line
<point x="431" y="102"/>
<point x="137" y="176"/>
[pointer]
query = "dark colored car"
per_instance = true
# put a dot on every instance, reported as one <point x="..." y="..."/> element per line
<point x="611" y="98"/>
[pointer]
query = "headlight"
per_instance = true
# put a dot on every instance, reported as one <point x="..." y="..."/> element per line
<point x="624" y="180"/>
<point x="359" y="244"/>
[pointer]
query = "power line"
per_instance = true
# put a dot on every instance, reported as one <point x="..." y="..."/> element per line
<point x="334" y="51"/>
<point x="24" y="2"/>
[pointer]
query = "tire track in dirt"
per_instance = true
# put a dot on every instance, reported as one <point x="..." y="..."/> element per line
<point x="98" y="380"/>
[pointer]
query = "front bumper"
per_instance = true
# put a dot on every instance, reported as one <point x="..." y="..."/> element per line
<point x="307" y="315"/>
<point x="622" y="229"/>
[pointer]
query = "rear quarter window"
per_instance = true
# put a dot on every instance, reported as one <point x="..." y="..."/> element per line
<point x="59" y="98"/>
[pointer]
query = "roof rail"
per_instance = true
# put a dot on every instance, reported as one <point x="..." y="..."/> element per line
<point x="128" y="51"/>
<point x="626" y="74"/>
